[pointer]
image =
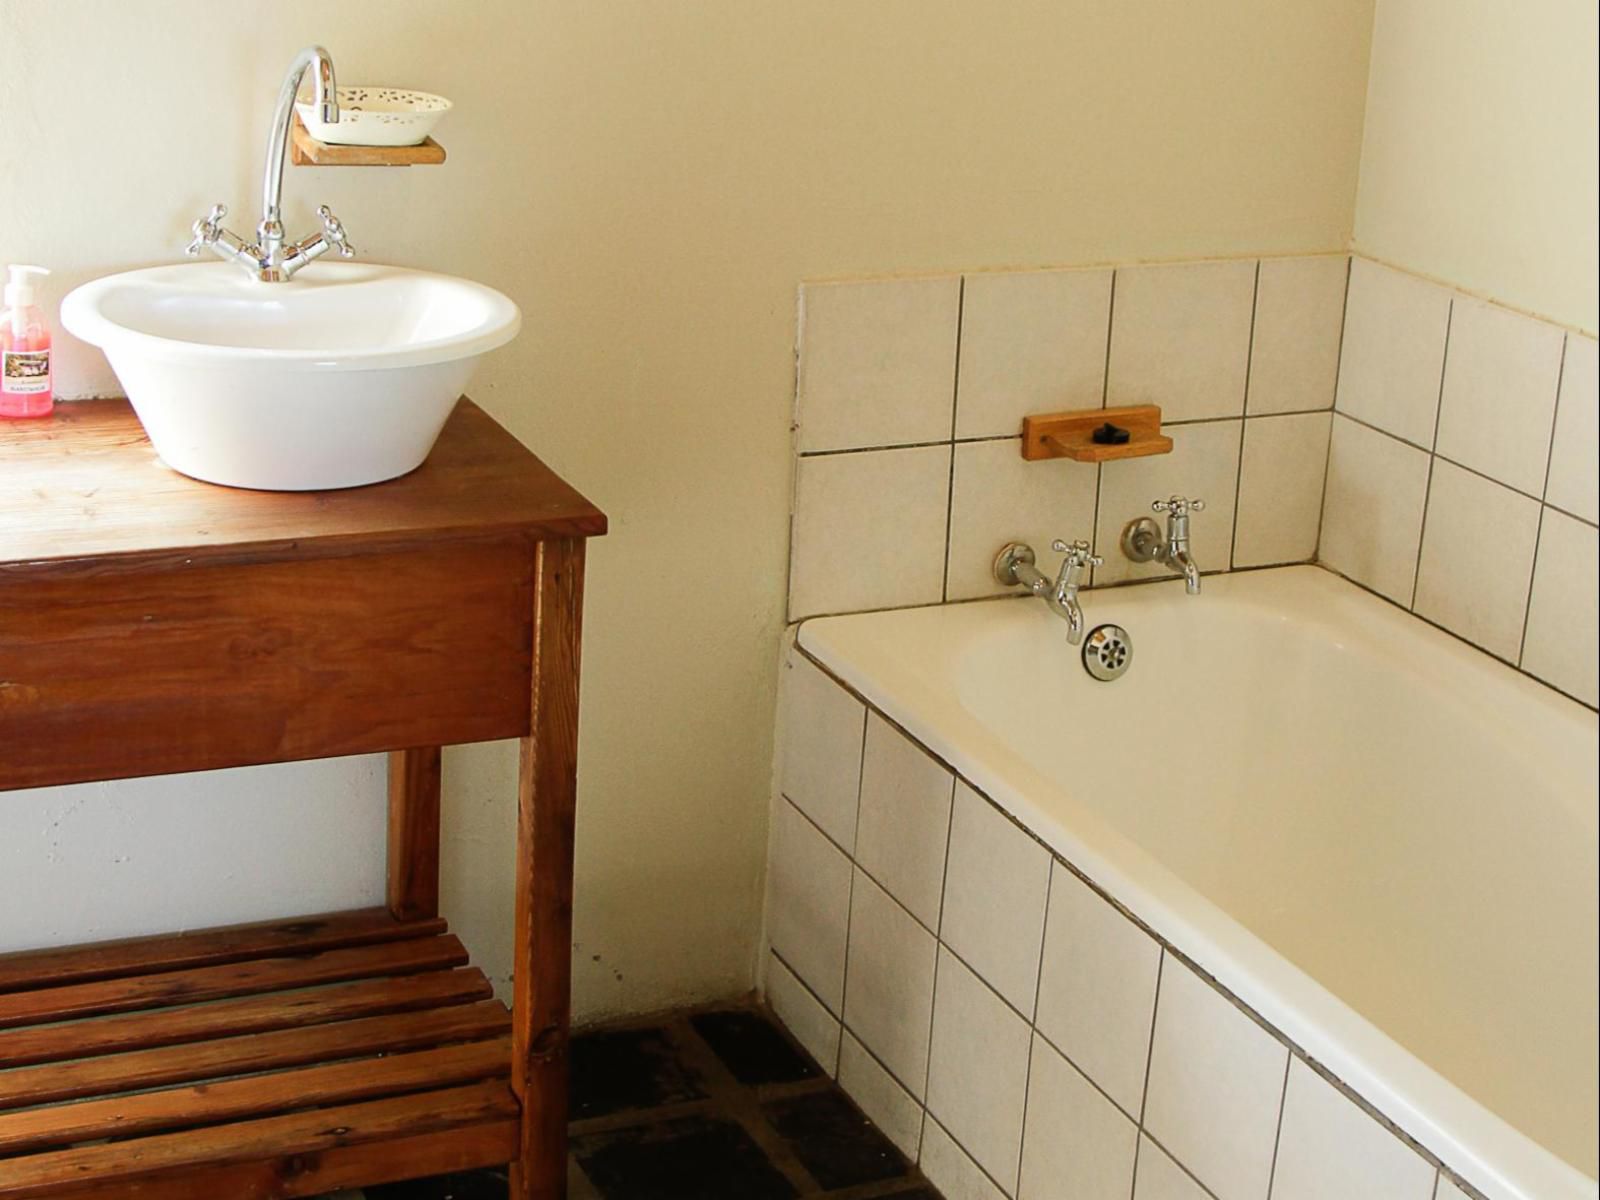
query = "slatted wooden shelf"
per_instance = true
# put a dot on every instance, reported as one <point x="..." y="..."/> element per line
<point x="272" y="1060"/>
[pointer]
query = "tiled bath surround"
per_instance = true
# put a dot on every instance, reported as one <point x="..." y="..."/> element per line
<point x="1462" y="475"/>
<point x="912" y="393"/>
<point x="1434" y="448"/>
<point x="1008" y="1025"/>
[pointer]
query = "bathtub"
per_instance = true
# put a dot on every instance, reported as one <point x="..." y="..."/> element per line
<point x="1379" y="840"/>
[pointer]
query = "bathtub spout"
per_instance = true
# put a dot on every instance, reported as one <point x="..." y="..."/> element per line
<point x="1179" y="560"/>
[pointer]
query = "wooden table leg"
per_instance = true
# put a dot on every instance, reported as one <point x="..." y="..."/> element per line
<point x="547" y="794"/>
<point x="414" y="833"/>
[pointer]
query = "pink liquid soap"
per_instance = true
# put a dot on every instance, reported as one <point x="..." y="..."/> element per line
<point x="26" y="388"/>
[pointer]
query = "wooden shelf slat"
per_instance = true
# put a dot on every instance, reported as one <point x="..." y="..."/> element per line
<point x="230" y="979"/>
<point x="296" y="1154"/>
<point x="106" y="1075"/>
<point x="251" y="1014"/>
<point x="256" y="1095"/>
<point x="207" y="947"/>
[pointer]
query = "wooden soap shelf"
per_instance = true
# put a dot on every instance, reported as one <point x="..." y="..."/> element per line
<point x="1071" y="434"/>
<point x="307" y="151"/>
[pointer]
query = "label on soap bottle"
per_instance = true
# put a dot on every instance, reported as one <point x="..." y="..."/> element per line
<point x="25" y="372"/>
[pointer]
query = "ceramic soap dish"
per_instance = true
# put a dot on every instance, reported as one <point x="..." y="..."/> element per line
<point x="376" y="116"/>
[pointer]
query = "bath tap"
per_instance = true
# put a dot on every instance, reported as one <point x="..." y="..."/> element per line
<point x="1143" y="541"/>
<point x="269" y="259"/>
<point x="1015" y="566"/>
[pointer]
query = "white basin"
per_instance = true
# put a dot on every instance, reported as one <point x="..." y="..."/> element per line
<point x="341" y="376"/>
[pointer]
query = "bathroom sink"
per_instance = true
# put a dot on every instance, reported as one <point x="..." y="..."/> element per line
<point x="341" y="376"/>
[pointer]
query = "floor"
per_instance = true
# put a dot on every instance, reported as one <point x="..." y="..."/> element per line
<point x="711" y="1105"/>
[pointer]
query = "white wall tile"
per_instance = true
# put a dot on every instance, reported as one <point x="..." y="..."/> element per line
<point x="1180" y="338"/>
<point x="808" y="902"/>
<point x="998" y="497"/>
<point x="1204" y="464"/>
<point x="877" y="362"/>
<point x="949" y="1168"/>
<point x="869" y="530"/>
<point x="978" y="1070"/>
<point x="1031" y="342"/>
<point x="1216" y="1079"/>
<point x="887" y="1105"/>
<point x="1449" y="1190"/>
<point x="1477" y="559"/>
<point x="1393" y="358"/>
<point x="1280" y="489"/>
<point x="1162" y="1179"/>
<point x="1294" y="354"/>
<point x="905" y="819"/>
<point x="1372" y="510"/>
<point x="822" y="728"/>
<point x="1097" y="989"/>
<point x="1076" y="1143"/>
<point x="995" y="898"/>
<point x="1574" y="473"/>
<point x="1563" y="646"/>
<point x="1330" y="1150"/>
<point x="802" y="1014"/>
<point x="888" y="999"/>
<point x="1499" y="397"/>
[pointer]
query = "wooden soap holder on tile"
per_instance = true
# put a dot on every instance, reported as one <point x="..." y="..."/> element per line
<point x="1071" y="434"/>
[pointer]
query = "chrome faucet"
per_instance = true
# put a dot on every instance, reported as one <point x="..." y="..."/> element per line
<point x="1015" y="566"/>
<point x="1143" y="541"/>
<point x="269" y="258"/>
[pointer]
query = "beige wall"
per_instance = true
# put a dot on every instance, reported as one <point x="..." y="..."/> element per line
<point x="1479" y="165"/>
<point x="650" y="181"/>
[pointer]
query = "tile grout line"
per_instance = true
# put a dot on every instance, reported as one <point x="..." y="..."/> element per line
<point x="1277" y="1137"/>
<point x="1105" y="397"/>
<point x="1150" y="1046"/>
<point x="1333" y="408"/>
<point x="1032" y="1024"/>
<point x="938" y="943"/>
<point x="1433" y="454"/>
<point x="1538" y="533"/>
<point x="850" y="892"/>
<point x="955" y="410"/>
<point x="1244" y="416"/>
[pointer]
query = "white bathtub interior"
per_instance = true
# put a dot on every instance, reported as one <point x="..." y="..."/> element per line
<point x="1408" y="822"/>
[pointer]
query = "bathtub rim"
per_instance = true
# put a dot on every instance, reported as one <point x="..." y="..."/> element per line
<point x="1387" y="1080"/>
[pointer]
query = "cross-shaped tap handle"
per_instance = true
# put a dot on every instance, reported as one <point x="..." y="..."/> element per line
<point x="1178" y="506"/>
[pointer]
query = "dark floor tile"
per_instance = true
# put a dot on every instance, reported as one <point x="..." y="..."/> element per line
<point x="631" y="1068"/>
<point x="752" y="1048"/>
<point x="690" y="1159"/>
<point x="838" y="1145"/>
<point x="920" y="1193"/>
<point x="465" y="1185"/>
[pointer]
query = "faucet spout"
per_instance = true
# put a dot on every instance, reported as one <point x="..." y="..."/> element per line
<point x="1179" y="560"/>
<point x="326" y="97"/>
<point x="1015" y="568"/>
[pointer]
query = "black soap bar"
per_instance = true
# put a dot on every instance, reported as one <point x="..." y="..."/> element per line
<point x="1110" y="435"/>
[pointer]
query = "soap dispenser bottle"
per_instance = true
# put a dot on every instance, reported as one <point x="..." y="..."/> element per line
<point x="25" y="384"/>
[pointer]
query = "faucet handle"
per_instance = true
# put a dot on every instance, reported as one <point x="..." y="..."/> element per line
<point x="1178" y="506"/>
<point x="206" y="230"/>
<point x="333" y="231"/>
<point x="1078" y="552"/>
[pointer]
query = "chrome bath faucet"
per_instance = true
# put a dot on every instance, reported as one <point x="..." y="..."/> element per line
<point x="1143" y="541"/>
<point x="1015" y="567"/>
<point x="269" y="258"/>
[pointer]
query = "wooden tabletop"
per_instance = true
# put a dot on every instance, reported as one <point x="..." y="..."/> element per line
<point x="84" y="488"/>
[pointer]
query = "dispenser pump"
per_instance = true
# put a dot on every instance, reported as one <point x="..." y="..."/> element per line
<point x="19" y="287"/>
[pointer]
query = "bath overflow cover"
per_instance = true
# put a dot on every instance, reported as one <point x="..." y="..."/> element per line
<point x="1107" y="651"/>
